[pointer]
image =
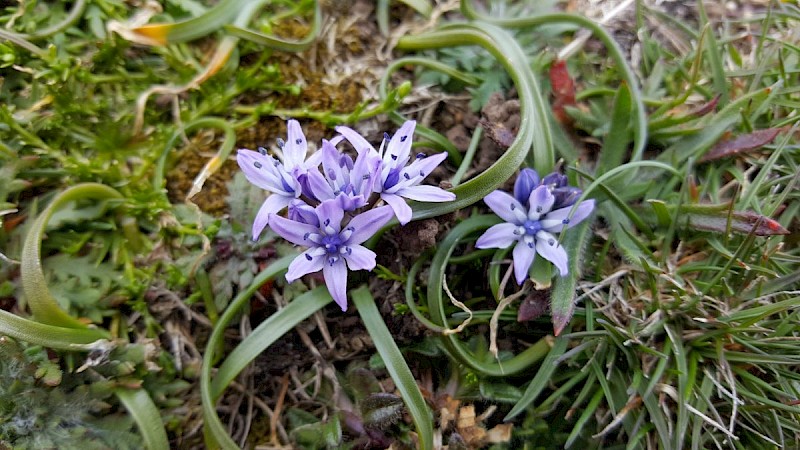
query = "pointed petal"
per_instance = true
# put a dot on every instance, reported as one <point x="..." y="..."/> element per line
<point x="524" y="255"/>
<point x="319" y="186"/>
<point x="304" y="264"/>
<point x="365" y="173"/>
<point x="506" y="206"/>
<point x="498" y="236"/>
<point x="359" y="258"/>
<point x="299" y="211"/>
<point x="356" y="140"/>
<point x="400" y="207"/>
<point x="330" y="214"/>
<point x="547" y="246"/>
<point x="259" y="170"/>
<point x="554" y="220"/>
<point x="272" y="205"/>
<point x="527" y="180"/>
<point x="415" y="172"/>
<point x="426" y="193"/>
<point x="399" y="146"/>
<point x="330" y="162"/>
<point x="294" y="152"/>
<point x="540" y="202"/>
<point x="336" y="280"/>
<point x="366" y="224"/>
<point x="294" y="232"/>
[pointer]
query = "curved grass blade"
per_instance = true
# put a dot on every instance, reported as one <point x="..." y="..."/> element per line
<point x="436" y="305"/>
<point x="640" y="120"/>
<point x="542" y="378"/>
<point x="395" y="365"/>
<point x="534" y="128"/>
<point x="276" y="42"/>
<point x="562" y="297"/>
<point x="58" y="338"/>
<point x="147" y="417"/>
<point x="266" y="333"/>
<point x="216" y="433"/>
<point x="43" y="305"/>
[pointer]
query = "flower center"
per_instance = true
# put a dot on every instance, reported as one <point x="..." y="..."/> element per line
<point x="331" y="244"/>
<point x="532" y="227"/>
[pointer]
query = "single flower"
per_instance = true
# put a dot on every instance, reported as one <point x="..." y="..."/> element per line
<point x="332" y="247"/>
<point x="398" y="179"/>
<point x="281" y="177"/>
<point x="531" y="222"/>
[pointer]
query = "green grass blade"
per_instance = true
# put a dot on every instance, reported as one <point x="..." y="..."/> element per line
<point x="147" y="417"/>
<point x="395" y="365"/>
<point x="615" y="144"/>
<point x="541" y="380"/>
<point x="43" y="305"/>
<point x="55" y="337"/>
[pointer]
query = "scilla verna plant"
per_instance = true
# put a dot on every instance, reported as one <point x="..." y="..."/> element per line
<point x="333" y="212"/>
<point x="537" y="210"/>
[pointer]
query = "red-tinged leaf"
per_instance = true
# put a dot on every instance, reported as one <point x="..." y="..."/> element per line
<point x="533" y="306"/>
<point x="740" y="144"/>
<point x="706" y="108"/>
<point x="711" y="218"/>
<point x="563" y="91"/>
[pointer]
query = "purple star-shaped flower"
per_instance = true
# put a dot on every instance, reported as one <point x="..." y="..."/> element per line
<point x="332" y="248"/>
<point x="531" y="221"/>
<point x="399" y="181"/>
<point x="280" y="177"/>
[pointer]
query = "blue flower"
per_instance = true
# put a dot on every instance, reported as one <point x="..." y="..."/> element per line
<point x="399" y="180"/>
<point x="282" y="178"/>
<point x="536" y="211"/>
<point x="333" y="246"/>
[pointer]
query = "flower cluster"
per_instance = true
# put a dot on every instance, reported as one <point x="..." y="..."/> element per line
<point x="537" y="210"/>
<point x="332" y="211"/>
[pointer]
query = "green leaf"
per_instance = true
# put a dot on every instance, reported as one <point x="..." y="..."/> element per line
<point x="395" y="365"/>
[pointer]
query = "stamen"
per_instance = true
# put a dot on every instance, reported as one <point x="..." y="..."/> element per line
<point x="308" y="257"/>
<point x="305" y="237"/>
<point x="298" y="141"/>
<point x="332" y="260"/>
<point x="538" y="209"/>
<point x="257" y="164"/>
<point x="394" y="157"/>
<point x="386" y="136"/>
<point x="365" y="177"/>
<point x="262" y="150"/>
<point x="281" y="143"/>
<point x="327" y="222"/>
<point x="403" y="138"/>
<point x="331" y="175"/>
<point x="513" y="206"/>
<point x="550" y="242"/>
<point x="422" y="174"/>
<point x="530" y="244"/>
<point x="565" y="221"/>
<point x="406" y="176"/>
<point x="421" y="155"/>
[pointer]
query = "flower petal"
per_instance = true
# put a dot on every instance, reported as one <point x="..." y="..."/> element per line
<point x="304" y="264"/>
<point x="540" y="202"/>
<point x="299" y="211"/>
<point x="336" y="280"/>
<point x="400" y="207"/>
<point x="426" y="193"/>
<point x="330" y="215"/>
<point x="356" y="140"/>
<point x="399" y="146"/>
<point x="527" y="180"/>
<point x="260" y="170"/>
<point x="366" y="224"/>
<point x="319" y="186"/>
<point x="498" y="236"/>
<point x="504" y="205"/>
<point x="524" y="255"/>
<point x="294" y="232"/>
<point x="547" y="246"/>
<point x="359" y="258"/>
<point x="272" y="205"/>
<point x="554" y="221"/>
<point x="366" y="171"/>
<point x="294" y="152"/>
